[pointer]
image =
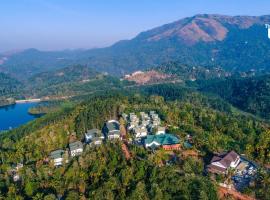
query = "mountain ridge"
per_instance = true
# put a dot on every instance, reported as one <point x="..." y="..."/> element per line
<point x="238" y="43"/>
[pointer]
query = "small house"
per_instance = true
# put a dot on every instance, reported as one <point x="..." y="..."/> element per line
<point x="75" y="148"/>
<point x="160" y="130"/>
<point x="140" y="131"/>
<point x="57" y="157"/>
<point x="132" y="125"/>
<point x="111" y="130"/>
<point x="124" y="116"/>
<point x="94" y="136"/>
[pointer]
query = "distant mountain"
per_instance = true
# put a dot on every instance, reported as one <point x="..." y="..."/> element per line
<point x="23" y="64"/>
<point x="234" y="43"/>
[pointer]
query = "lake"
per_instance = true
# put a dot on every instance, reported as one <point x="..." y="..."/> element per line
<point x="15" y="115"/>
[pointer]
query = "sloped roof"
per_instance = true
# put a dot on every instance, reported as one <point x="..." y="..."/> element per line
<point x="57" y="154"/>
<point x="93" y="133"/>
<point x="215" y="169"/>
<point x="165" y="139"/>
<point x="225" y="159"/>
<point x="75" y="145"/>
<point x="112" y="125"/>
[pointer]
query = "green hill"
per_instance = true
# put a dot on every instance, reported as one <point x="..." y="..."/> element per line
<point x="104" y="173"/>
<point x="249" y="94"/>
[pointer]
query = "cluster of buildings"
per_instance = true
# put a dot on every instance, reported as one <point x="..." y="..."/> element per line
<point x="147" y="130"/>
<point x="93" y="137"/>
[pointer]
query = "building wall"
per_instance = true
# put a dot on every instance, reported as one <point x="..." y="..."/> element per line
<point x="171" y="147"/>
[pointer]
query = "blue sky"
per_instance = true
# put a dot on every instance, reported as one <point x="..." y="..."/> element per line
<point x="63" y="24"/>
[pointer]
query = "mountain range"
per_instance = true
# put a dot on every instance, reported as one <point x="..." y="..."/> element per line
<point x="234" y="43"/>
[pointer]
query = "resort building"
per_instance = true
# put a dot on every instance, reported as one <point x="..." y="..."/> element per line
<point x="111" y="130"/>
<point x="166" y="141"/>
<point x="75" y="148"/>
<point x="140" y="131"/>
<point x="222" y="162"/>
<point x="94" y="137"/>
<point x="57" y="157"/>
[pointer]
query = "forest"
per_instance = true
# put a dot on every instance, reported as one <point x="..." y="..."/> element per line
<point x="104" y="173"/>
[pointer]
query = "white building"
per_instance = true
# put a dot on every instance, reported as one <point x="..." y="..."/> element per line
<point x="140" y="132"/>
<point x="75" y="148"/>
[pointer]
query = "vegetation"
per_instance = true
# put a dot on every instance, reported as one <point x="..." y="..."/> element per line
<point x="103" y="173"/>
<point x="249" y="94"/>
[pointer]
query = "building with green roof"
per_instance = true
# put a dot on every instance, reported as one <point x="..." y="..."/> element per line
<point x="166" y="141"/>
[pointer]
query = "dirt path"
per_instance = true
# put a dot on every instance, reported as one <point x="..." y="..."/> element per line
<point x="223" y="192"/>
<point x="126" y="151"/>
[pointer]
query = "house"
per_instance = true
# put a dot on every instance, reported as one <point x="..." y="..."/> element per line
<point x="133" y="117"/>
<point x="145" y="122"/>
<point x="94" y="136"/>
<point x="155" y="120"/>
<point x="166" y="141"/>
<point x="132" y="125"/>
<point x="160" y="130"/>
<point x="58" y="157"/>
<point x="222" y="162"/>
<point x="140" y="131"/>
<point x="144" y="116"/>
<point x="124" y="116"/>
<point x="75" y="148"/>
<point x="111" y="130"/>
<point x="133" y="121"/>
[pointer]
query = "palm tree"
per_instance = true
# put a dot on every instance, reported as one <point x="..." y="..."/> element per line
<point x="229" y="175"/>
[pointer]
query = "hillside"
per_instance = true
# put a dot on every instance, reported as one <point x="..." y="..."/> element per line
<point x="70" y="81"/>
<point x="9" y="88"/>
<point x="8" y="85"/>
<point x="104" y="173"/>
<point x="234" y="43"/>
<point x="58" y="84"/>
<point x="249" y="94"/>
<point x="192" y="72"/>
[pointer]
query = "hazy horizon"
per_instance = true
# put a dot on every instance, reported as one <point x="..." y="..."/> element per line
<point x="50" y="25"/>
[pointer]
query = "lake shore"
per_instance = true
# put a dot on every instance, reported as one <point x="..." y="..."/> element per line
<point x="28" y="101"/>
<point x="13" y="116"/>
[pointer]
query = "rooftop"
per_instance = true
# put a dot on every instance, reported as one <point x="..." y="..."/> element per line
<point x="57" y="154"/>
<point x="225" y="158"/>
<point x="75" y="145"/>
<point x="112" y="125"/>
<point x="93" y="133"/>
<point x="165" y="139"/>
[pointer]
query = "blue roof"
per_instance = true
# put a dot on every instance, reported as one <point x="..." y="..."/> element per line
<point x="162" y="139"/>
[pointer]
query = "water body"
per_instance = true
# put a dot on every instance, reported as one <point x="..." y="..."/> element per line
<point x="15" y="115"/>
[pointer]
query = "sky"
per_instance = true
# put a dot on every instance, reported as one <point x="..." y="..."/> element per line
<point x="72" y="24"/>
